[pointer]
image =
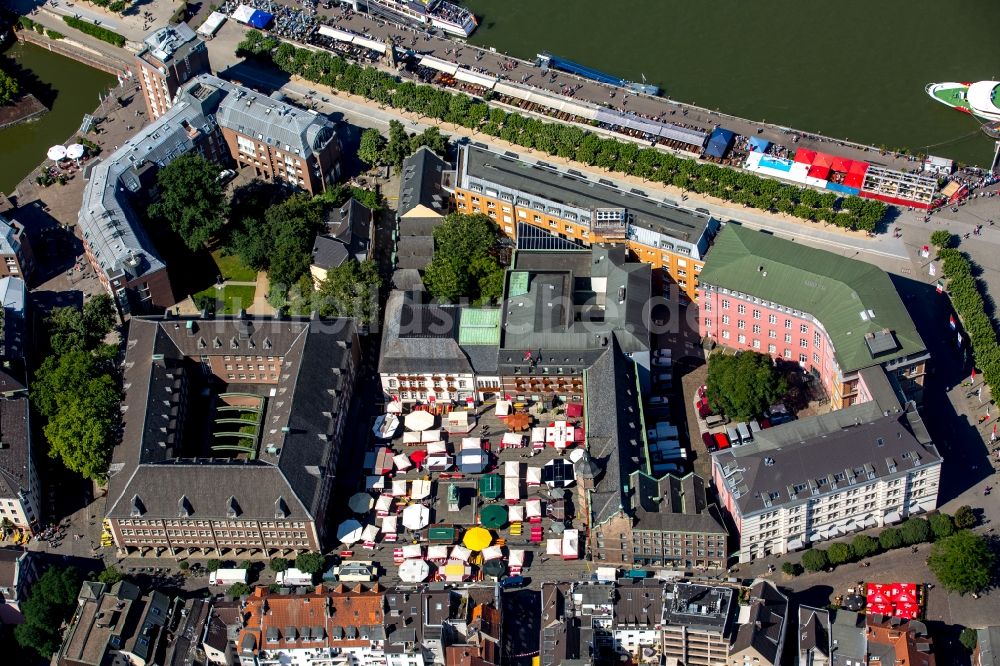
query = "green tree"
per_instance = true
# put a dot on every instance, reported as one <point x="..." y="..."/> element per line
<point x="791" y="568"/>
<point x="80" y="401"/>
<point x="890" y="538"/>
<point x="237" y="590"/>
<point x="66" y="330"/>
<point x="942" y="239"/>
<point x="8" y="87"/>
<point x="191" y="199"/>
<point x="965" y="518"/>
<point x="962" y="562"/>
<point x="371" y="149"/>
<point x="466" y="263"/>
<point x="213" y="565"/>
<point x="968" y="638"/>
<point x="398" y="148"/>
<point x="915" y="530"/>
<point x="840" y="553"/>
<point x="744" y="384"/>
<point x="110" y="576"/>
<point x="184" y="565"/>
<point x="99" y="318"/>
<point x="865" y="546"/>
<point x="51" y="602"/>
<point x="815" y="559"/>
<point x="432" y="138"/>
<point x="311" y="563"/>
<point x="279" y="564"/>
<point x="942" y="526"/>
<point x="351" y="290"/>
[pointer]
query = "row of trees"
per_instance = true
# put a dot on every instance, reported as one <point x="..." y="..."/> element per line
<point x="968" y="302"/>
<point x="961" y="560"/>
<point x="564" y="140"/>
<point x="96" y="31"/>
<point x="376" y="151"/>
<point x="76" y="388"/>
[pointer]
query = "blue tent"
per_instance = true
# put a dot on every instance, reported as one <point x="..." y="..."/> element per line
<point x="719" y="142"/>
<point x="759" y="145"/>
<point x="260" y="19"/>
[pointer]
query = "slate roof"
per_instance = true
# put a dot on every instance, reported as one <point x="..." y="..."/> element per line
<point x="814" y="633"/>
<point x="762" y="632"/>
<point x="683" y="505"/>
<point x="639" y="603"/>
<point x="425" y="337"/>
<point x="576" y="300"/>
<point x="294" y="445"/>
<point x="274" y="122"/>
<point x="414" y="252"/>
<point x="348" y="230"/>
<point x="421" y="183"/>
<point x="765" y="474"/>
<point x="833" y="289"/>
<point x="15" y="447"/>
<point x="614" y="431"/>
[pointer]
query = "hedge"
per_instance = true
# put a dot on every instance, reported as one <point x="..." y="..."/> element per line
<point x="55" y="34"/>
<point x="565" y="140"/>
<point x="97" y="31"/>
<point x="968" y="303"/>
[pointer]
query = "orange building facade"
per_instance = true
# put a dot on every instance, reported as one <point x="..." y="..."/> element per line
<point x="568" y="205"/>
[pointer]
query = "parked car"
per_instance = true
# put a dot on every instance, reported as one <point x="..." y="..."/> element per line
<point x="778" y="414"/>
<point x="662" y="361"/>
<point x="659" y="400"/>
<point x="716" y="420"/>
<point x="664" y="378"/>
<point x="710" y="444"/>
<point x="662" y="352"/>
<point x="744" y="431"/>
<point x="721" y="440"/>
<point x="512" y="581"/>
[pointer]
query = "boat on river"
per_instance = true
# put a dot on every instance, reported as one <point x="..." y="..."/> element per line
<point x="980" y="99"/>
<point x="439" y="14"/>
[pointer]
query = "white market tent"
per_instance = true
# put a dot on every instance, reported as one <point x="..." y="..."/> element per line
<point x="383" y="505"/>
<point x="419" y="420"/>
<point x="517" y="558"/>
<point x="402" y="462"/>
<point x="515" y="513"/>
<point x="389" y="524"/>
<point x="571" y="545"/>
<point x="503" y="408"/>
<point x="414" y="571"/>
<point x="410" y="438"/>
<point x="349" y="531"/>
<point x="431" y="435"/>
<point x="534" y="476"/>
<point x="439" y="65"/>
<point x="538" y="435"/>
<point x="439" y="463"/>
<point x="492" y="553"/>
<point x="420" y="489"/>
<point x="437" y="553"/>
<point x="471" y="443"/>
<point x="412" y="551"/>
<point x="460" y="553"/>
<point x="512" y="440"/>
<point x="243" y="13"/>
<point x="416" y="516"/>
<point x="553" y="547"/>
<point x="533" y="508"/>
<point x="512" y="468"/>
<point x="398" y="488"/>
<point x="368" y="535"/>
<point x="475" y="78"/>
<point x="437" y="448"/>
<point x="212" y="24"/>
<point x="512" y="489"/>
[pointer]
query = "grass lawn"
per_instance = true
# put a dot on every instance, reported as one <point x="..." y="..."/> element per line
<point x="231" y="268"/>
<point x="234" y="297"/>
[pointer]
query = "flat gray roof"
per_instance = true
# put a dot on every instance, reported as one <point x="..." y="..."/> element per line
<point x="574" y="189"/>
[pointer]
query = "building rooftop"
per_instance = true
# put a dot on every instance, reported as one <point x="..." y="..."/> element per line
<point x="673" y="504"/>
<point x="892" y="640"/>
<point x="988" y="644"/>
<point x="348" y="229"/>
<point x="814" y="634"/>
<point x="763" y="631"/>
<point x="775" y="471"/>
<point x="855" y="302"/>
<point x="639" y="603"/>
<point x="699" y="607"/>
<point x="569" y="194"/>
<point x="111" y="227"/>
<point x="158" y="469"/>
<point x="15" y="448"/>
<point x="172" y="42"/>
<point x="420" y="191"/>
<point x="847" y="629"/>
<point x="573" y="301"/>
<point x="13" y="332"/>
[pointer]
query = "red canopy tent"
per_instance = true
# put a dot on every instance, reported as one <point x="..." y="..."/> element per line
<point x="418" y="457"/>
<point x="856" y="174"/>
<point x="574" y="410"/>
<point x="805" y="156"/>
<point x="880" y="608"/>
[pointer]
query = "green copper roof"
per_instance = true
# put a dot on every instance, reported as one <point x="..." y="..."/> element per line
<point x="518" y="284"/>
<point x="479" y="326"/>
<point x="850" y="298"/>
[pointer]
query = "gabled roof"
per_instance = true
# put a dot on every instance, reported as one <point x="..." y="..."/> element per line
<point x="763" y="633"/>
<point x="851" y="299"/>
<point x="347" y="232"/>
<point x="283" y="476"/>
<point x="421" y="183"/>
<point x="15" y="447"/>
<point x="674" y="504"/>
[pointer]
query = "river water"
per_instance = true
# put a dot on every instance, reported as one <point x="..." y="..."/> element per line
<point x="67" y="87"/>
<point x="853" y="69"/>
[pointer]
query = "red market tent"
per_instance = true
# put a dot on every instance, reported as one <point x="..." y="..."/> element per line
<point x="805" y="156"/>
<point x="574" y="410"/>
<point x="418" y="457"/>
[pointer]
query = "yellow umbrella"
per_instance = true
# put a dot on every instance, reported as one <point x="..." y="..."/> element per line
<point x="477" y="538"/>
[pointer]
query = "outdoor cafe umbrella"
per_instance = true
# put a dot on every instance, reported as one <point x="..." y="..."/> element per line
<point x="349" y="531"/>
<point x="74" y="151"/>
<point x="518" y="422"/>
<point x="361" y="502"/>
<point x="416" y="516"/>
<point x="419" y="420"/>
<point x="493" y="516"/>
<point x="477" y="538"/>
<point x="854" y="602"/>
<point x="57" y="153"/>
<point x="557" y="527"/>
<point x="418" y="457"/>
<point x="494" y="568"/>
<point x="490" y="486"/>
<point x="414" y="571"/>
<point x="557" y="493"/>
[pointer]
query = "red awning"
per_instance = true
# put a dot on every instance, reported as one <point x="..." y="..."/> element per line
<point x="820" y="172"/>
<point x="805" y="156"/>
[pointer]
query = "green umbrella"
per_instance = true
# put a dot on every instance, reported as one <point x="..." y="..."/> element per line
<point x="490" y="486"/>
<point x="493" y="516"/>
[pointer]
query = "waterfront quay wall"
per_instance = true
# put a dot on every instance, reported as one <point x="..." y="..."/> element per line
<point x="76" y="51"/>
